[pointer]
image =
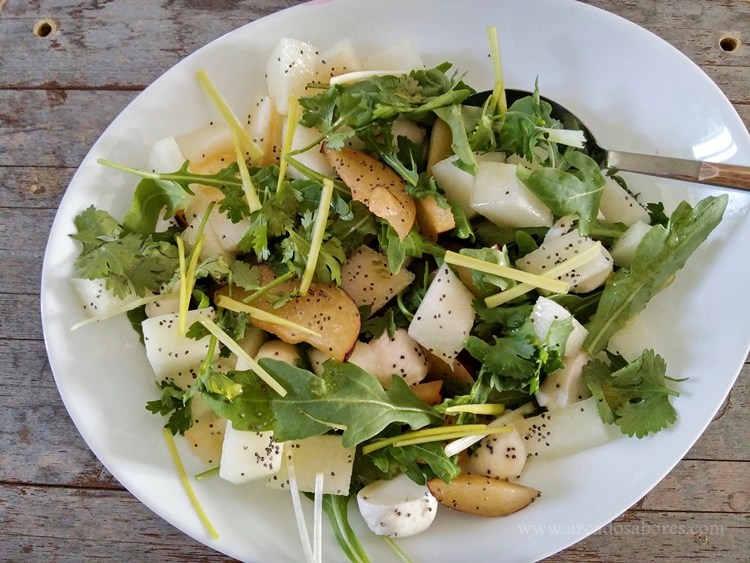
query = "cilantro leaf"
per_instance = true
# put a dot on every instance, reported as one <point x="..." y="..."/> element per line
<point x="296" y="250"/>
<point x="414" y="245"/>
<point x="499" y="320"/>
<point x="634" y="397"/>
<point x="661" y="253"/>
<point x="245" y="276"/>
<point x="345" y="395"/>
<point x="171" y="403"/>
<point x="656" y="212"/>
<point x="488" y="284"/>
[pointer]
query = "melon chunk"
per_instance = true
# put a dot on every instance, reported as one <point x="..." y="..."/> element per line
<point x="290" y="68"/>
<point x="623" y="251"/>
<point x="368" y="279"/>
<point x="565" y="431"/>
<point x="206" y="435"/>
<point x="457" y="184"/>
<point x="618" y="206"/>
<point x="503" y="199"/>
<point x="401" y="56"/>
<point x="444" y="318"/>
<point x="562" y="226"/>
<point x="398" y="355"/>
<point x="167" y="351"/>
<point x="246" y="455"/>
<point x="501" y="456"/>
<point x="97" y="299"/>
<point x="211" y="244"/>
<point x="279" y="350"/>
<point x="377" y="186"/>
<point x="546" y="312"/>
<point x="339" y="59"/>
<point x="208" y="149"/>
<point x="313" y="158"/>
<point x="319" y="454"/>
<point x="264" y="126"/>
<point x="326" y="309"/>
<point x="171" y="305"/>
<point x="565" y="386"/>
<point x="584" y="278"/>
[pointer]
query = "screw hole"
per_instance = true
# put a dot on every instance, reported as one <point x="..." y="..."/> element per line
<point x="730" y="43"/>
<point x="45" y="28"/>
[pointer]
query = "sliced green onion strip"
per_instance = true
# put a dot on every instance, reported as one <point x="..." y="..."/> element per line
<point x="227" y="341"/>
<point x="228" y="115"/>
<point x="321" y="220"/>
<point x="125" y="308"/>
<point x="209" y="473"/>
<point x="421" y="433"/>
<point x="440" y="437"/>
<point x="291" y="125"/>
<point x="499" y="102"/>
<point x="259" y="314"/>
<point x="542" y="282"/>
<point x="184" y="295"/>
<point x="562" y="268"/>
<point x="488" y="409"/>
<point x="508" y="417"/>
<point x="188" y="487"/>
<point x="247" y="183"/>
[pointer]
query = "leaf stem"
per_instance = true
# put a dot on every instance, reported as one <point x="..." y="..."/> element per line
<point x="321" y="221"/>
<point x="269" y="286"/>
<point x="397" y="550"/>
<point x="400" y="302"/>
<point x="259" y="314"/>
<point x="209" y="473"/>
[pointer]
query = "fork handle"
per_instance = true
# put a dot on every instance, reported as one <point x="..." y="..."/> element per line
<point x="727" y="175"/>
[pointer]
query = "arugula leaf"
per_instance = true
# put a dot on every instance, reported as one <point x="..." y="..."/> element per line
<point x="352" y="232"/>
<point x="345" y="395"/>
<point x="634" y="397"/>
<point x="661" y="253"/>
<point x="488" y="284"/>
<point x="566" y="193"/>
<point x="656" y="212"/>
<point x="463" y="228"/>
<point x="419" y="462"/>
<point x="374" y="327"/>
<point x="489" y="234"/>
<point x="171" y="403"/>
<point x="136" y="317"/>
<point x="414" y="245"/>
<point x="248" y="410"/>
<point x="460" y="143"/>
<point x="336" y="508"/>
<point x="499" y="320"/>
<point x="582" y="307"/>
<point x="525" y="243"/>
<point x="151" y="197"/>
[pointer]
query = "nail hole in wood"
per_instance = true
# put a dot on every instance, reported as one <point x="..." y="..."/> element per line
<point x="45" y="28"/>
<point x="730" y="43"/>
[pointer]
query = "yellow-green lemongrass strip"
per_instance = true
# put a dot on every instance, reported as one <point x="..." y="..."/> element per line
<point x="397" y="550"/>
<point x="188" y="487"/>
<point x="319" y="230"/>
<point x="499" y="102"/>
<point x="420" y="433"/>
<point x="187" y="284"/>
<point x="562" y="268"/>
<point x="488" y="409"/>
<point x="260" y="315"/>
<point x="442" y="437"/>
<point x="251" y="195"/>
<point x="182" y="313"/>
<point x="298" y="514"/>
<point x="359" y="75"/>
<point x="318" y="519"/>
<point x="125" y="308"/>
<point x="569" y="137"/>
<point x="209" y="473"/>
<point x="542" y="282"/>
<point x="508" y="417"/>
<point x="227" y="341"/>
<point x="228" y="115"/>
<point x="291" y="126"/>
<point x="269" y="286"/>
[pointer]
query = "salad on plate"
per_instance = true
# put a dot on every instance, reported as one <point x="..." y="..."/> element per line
<point x="381" y="284"/>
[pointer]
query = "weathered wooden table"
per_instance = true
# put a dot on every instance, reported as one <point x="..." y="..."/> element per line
<point x="64" y="75"/>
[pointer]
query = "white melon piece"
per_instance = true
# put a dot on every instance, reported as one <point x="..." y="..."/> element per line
<point x="368" y="280"/>
<point x="366" y="357"/>
<point x="264" y="126"/>
<point x="405" y="127"/>
<point x="290" y="68"/>
<point x="163" y="307"/>
<point x="582" y="279"/>
<point x="96" y="298"/>
<point x="398" y="508"/>
<point x="516" y="160"/>
<point x="623" y="251"/>
<point x="167" y="351"/>
<point x="565" y="386"/>
<point x="206" y="435"/>
<point x="319" y="454"/>
<point x="398" y="355"/>
<point x="205" y="147"/>
<point x="339" y="59"/>
<point x="401" y="56"/>
<point x="566" y="431"/>
<point x="631" y="340"/>
<point x="444" y="318"/>
<point x="545" y="312"/>
<point x="318" y="358"/>
<point x="253" y="340"/>
<point x="457" y="184"/>
<point x="228" y="234"/>
<point x="562" y="226"/>
<point x="503" y="199"/>
<point x="501" y="456"/>
<point x="619" y="206"/>
<point x="279" y="350"/>
<point x="247" y="456"/>
<point x="313" y="158"/>
<point x="165" y="156"/>
<point x="211" y="244"/>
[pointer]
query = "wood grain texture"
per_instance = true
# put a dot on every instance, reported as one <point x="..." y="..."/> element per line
<point x="57" y="94"/>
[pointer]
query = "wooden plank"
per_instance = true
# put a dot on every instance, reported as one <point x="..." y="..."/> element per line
<point x="23" y="236"/>
<point x="108" y="526"/>
<point x="33" y="187"/>
<point x="19" y="317"/>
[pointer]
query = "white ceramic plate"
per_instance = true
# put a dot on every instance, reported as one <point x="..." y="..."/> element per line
<point x="631" y="88"/>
